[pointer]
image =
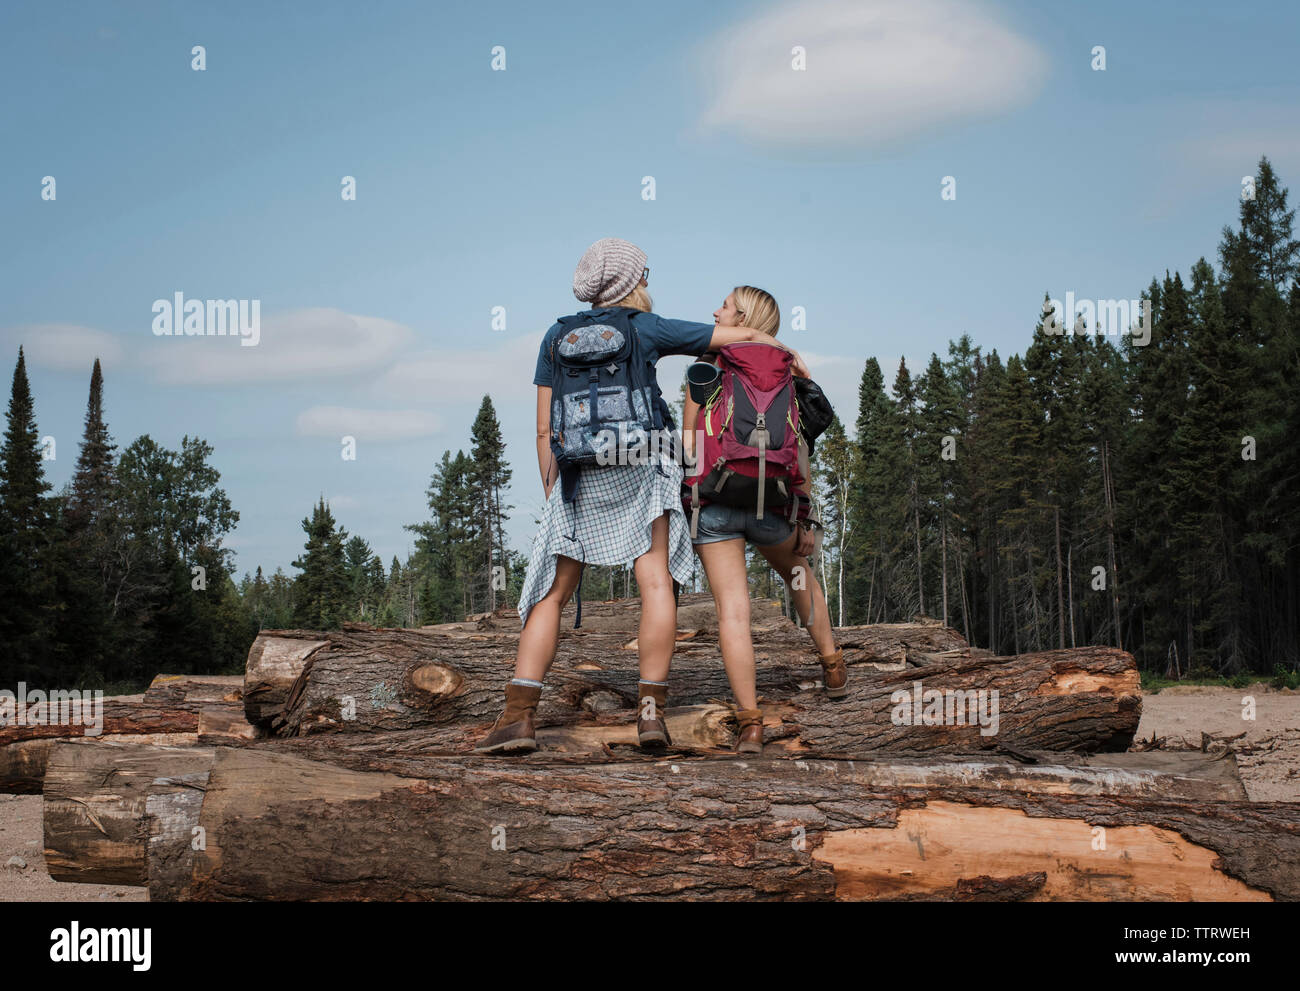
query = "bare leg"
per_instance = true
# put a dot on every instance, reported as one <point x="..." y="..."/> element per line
<point x="783" y="558"/>
<point x="724" y="563"/>
<point x="657" y="635"/>
<point x="541" y="634"/>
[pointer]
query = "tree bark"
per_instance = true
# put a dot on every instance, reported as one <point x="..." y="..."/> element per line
<point x="281" y="827"/>
<point x="97" y="806"/>
<point x="176" y="710"/>
<point x="450" y="687"/>
<point x="278" y="659"/>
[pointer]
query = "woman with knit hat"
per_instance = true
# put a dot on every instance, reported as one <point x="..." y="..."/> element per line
<point x="621" y="512"/>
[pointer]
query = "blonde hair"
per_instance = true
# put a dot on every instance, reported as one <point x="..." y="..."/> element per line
<point x="637" y="299"/>
<point x="758" y="310"/>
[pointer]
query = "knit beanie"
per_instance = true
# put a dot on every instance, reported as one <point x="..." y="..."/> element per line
<point x="608" y="271"/>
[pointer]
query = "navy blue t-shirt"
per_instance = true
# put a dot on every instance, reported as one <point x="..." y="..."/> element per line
<point x="658" y="336"/>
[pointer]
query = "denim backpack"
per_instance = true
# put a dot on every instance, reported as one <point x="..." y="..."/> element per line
<point x="605" y="400"/>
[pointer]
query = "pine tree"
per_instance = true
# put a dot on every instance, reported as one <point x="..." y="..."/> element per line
<point x="491" y="474"/>
<point x="449" y="547"/>
<point x="92" y="481"/>
<point x="941" y="423"/>
<point x="1197" y="479"/>
<point x="916" y="470"/>
<point x="256" y="595"/>
<point x="1266" y="227"/>
<point x="27" y="537"/>
<point x="358" y="556"/>
<point x="981" y="452"/>
<point x="1106" y="419"/>
<point x="1055" y="363"/>
<point x="837" y="461"/>
<point x="88" y="572"/>
<point x="963" y="369"/>
<point x="1014" y="479"/>
<point x="321" y="592"/>
<point x="875" y="574"/>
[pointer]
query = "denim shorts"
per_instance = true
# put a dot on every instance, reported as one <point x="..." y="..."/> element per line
<point x="719" y="522"/>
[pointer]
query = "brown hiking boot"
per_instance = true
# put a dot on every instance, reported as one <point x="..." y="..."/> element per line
<point x="835" y="676"/>
<point x="513" y="731"/>
<point x="652" y="706"/>
<point x="750" y="722"/>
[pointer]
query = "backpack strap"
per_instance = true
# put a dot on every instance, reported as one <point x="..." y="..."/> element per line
<point x="577" y="594"/>
<point x="758" y="438"/>
<point x="695" y="508"/>
<point x="593" y="380"/>
<point x="805" y="471"/>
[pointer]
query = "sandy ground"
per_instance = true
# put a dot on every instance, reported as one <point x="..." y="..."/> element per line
<point x="1268" y="756"/>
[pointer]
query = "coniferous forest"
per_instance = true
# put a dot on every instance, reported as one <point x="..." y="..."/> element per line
<point x="1088" y="491"/>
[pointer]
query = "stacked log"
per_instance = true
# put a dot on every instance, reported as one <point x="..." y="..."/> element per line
<point x="280" y="661"/>
<point x="279" y="826"/>
<point x="449" y="685"/>
<point x="176" y="710"/>
<point x="341" y="769"/>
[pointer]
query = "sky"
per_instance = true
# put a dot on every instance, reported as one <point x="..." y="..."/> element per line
<point x="479" y="188"/>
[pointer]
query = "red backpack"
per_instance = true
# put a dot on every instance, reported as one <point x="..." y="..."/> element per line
<point x="747" y="434"/>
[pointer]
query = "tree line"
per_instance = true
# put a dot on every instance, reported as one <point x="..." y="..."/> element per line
<point x="122" y="574"/>
<point x="1093" y="491"/>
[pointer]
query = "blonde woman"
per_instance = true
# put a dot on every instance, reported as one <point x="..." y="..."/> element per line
<point x="607" y="514"/>
<point x="722" y="532"/>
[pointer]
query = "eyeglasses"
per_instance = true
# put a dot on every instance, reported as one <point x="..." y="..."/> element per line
<point x="645" y="276"/>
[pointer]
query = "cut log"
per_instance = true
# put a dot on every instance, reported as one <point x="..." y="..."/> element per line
<point x="96" y="806"/>
<point x="194" y="692"/>
<point x="118" y="814"/>
<point x="278" y="659"/>
<point x="24" y="747"/>
<point x="1083" y="699"/>
<point x="275" y="661"/>
<point x="449" y="686"/>
<point x="283" y="828"/>
<point x="118" y="715"/>
<point x="176" y="710"/>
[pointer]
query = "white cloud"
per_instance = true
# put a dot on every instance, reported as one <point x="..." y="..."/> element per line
<point x="65" y="347"/>
<point x="1211" y="145"/>
<point x="878" y="72"/>
<point x="502" y="367"/>
<point x="375" y="425"/>
<point x="307" y="344"/>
